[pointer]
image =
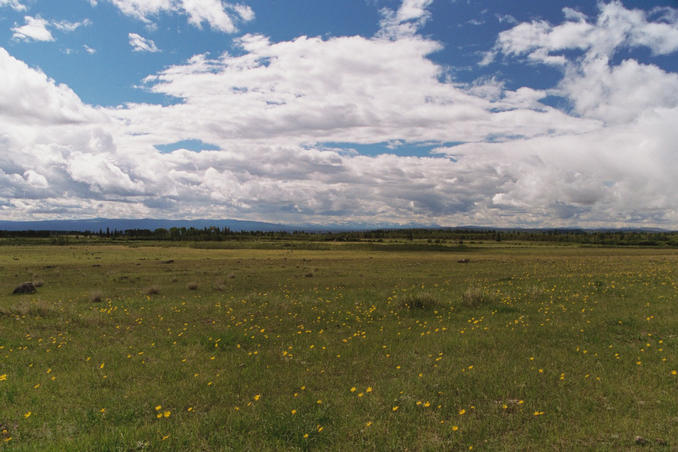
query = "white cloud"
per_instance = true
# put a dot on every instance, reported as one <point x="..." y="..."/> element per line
<point x="35" y="29"/>
<point x="35" y="179"/>
<point x="141" y="44"/>
<point x="615" y="28"/>
<point x="244" y="11"/>
<point x="89" y="49"/>
<point x="141" y="9"/>
<point x="29" y="98"/>
<point x="619" y="94"/>
<point x="208" y="11"/>
<point x="351" y="89"/>
<point x="66" y="26"/>
<point x="14" y="4"/>
<point x="407" y="20"/>
<point x="598" y="90"/>
<point x="506" y="18"/>
<point x="102" y="175"/>
<point x="217" y="14"/>
<point x="413" y="10"/>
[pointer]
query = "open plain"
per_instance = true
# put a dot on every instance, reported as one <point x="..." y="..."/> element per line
<point x="507" y="346"/>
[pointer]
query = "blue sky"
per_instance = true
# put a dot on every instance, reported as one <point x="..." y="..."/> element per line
<point x="497" y="113"/>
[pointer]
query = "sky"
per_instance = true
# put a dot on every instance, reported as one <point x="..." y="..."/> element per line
<point x="401" y="112"/>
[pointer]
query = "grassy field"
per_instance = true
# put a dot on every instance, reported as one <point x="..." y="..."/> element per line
<point x="169" y="348"/>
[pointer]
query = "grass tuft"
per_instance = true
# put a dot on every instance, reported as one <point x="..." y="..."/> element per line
<point x="35" y="308"/>
<point x="475" y="296"/>
<point x="422" y="301"/>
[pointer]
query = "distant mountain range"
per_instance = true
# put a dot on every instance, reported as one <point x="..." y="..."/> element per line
<point x="97" y="224"/>
<point x="101" y="224"/>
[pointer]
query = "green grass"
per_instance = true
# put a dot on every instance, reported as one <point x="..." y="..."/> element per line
<point x="523" y="348"/>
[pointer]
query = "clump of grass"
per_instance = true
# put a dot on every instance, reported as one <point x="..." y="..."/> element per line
<point x="192" y="286"/>
<point x="475" y="296"/>
<point x="421" y="301"/>
<point x="153" y="290"/>
<point x="96" y="297"/>
<point x="36" y="308"/>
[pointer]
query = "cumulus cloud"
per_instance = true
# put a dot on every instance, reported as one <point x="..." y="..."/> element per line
<point x="42" y="125"/>
<point x="614" y="29"/>
<point x="35" y="29"/>
<point x="596" y="88"/>
<point x="28" y="96"/>
<point x="218" y="15"/>
<point x="141" y="44"/>
<point x="350" y="89"/>
<point x="274" y="110"/>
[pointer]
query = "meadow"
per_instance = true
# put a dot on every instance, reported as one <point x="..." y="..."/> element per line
<point x="516" y="347"/>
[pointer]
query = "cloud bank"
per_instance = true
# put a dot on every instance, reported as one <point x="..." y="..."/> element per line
<point x="274" y="108"/>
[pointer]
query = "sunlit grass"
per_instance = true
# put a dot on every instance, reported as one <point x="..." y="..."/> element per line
<point x="533" y="349"/>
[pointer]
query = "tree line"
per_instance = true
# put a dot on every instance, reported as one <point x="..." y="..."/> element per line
<point x="437" y="235"/>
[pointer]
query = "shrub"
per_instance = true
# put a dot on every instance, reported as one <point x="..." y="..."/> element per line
<point x="192" y="286"/>
<point x="153" y="290"/>
<point x="96" y="297"/>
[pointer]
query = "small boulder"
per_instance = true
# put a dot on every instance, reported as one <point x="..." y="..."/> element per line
<point x="25" y="288"/>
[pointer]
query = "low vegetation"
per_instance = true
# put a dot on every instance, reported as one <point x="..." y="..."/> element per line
<point x="424" y="301"/>
<point x="152" y="347"/>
